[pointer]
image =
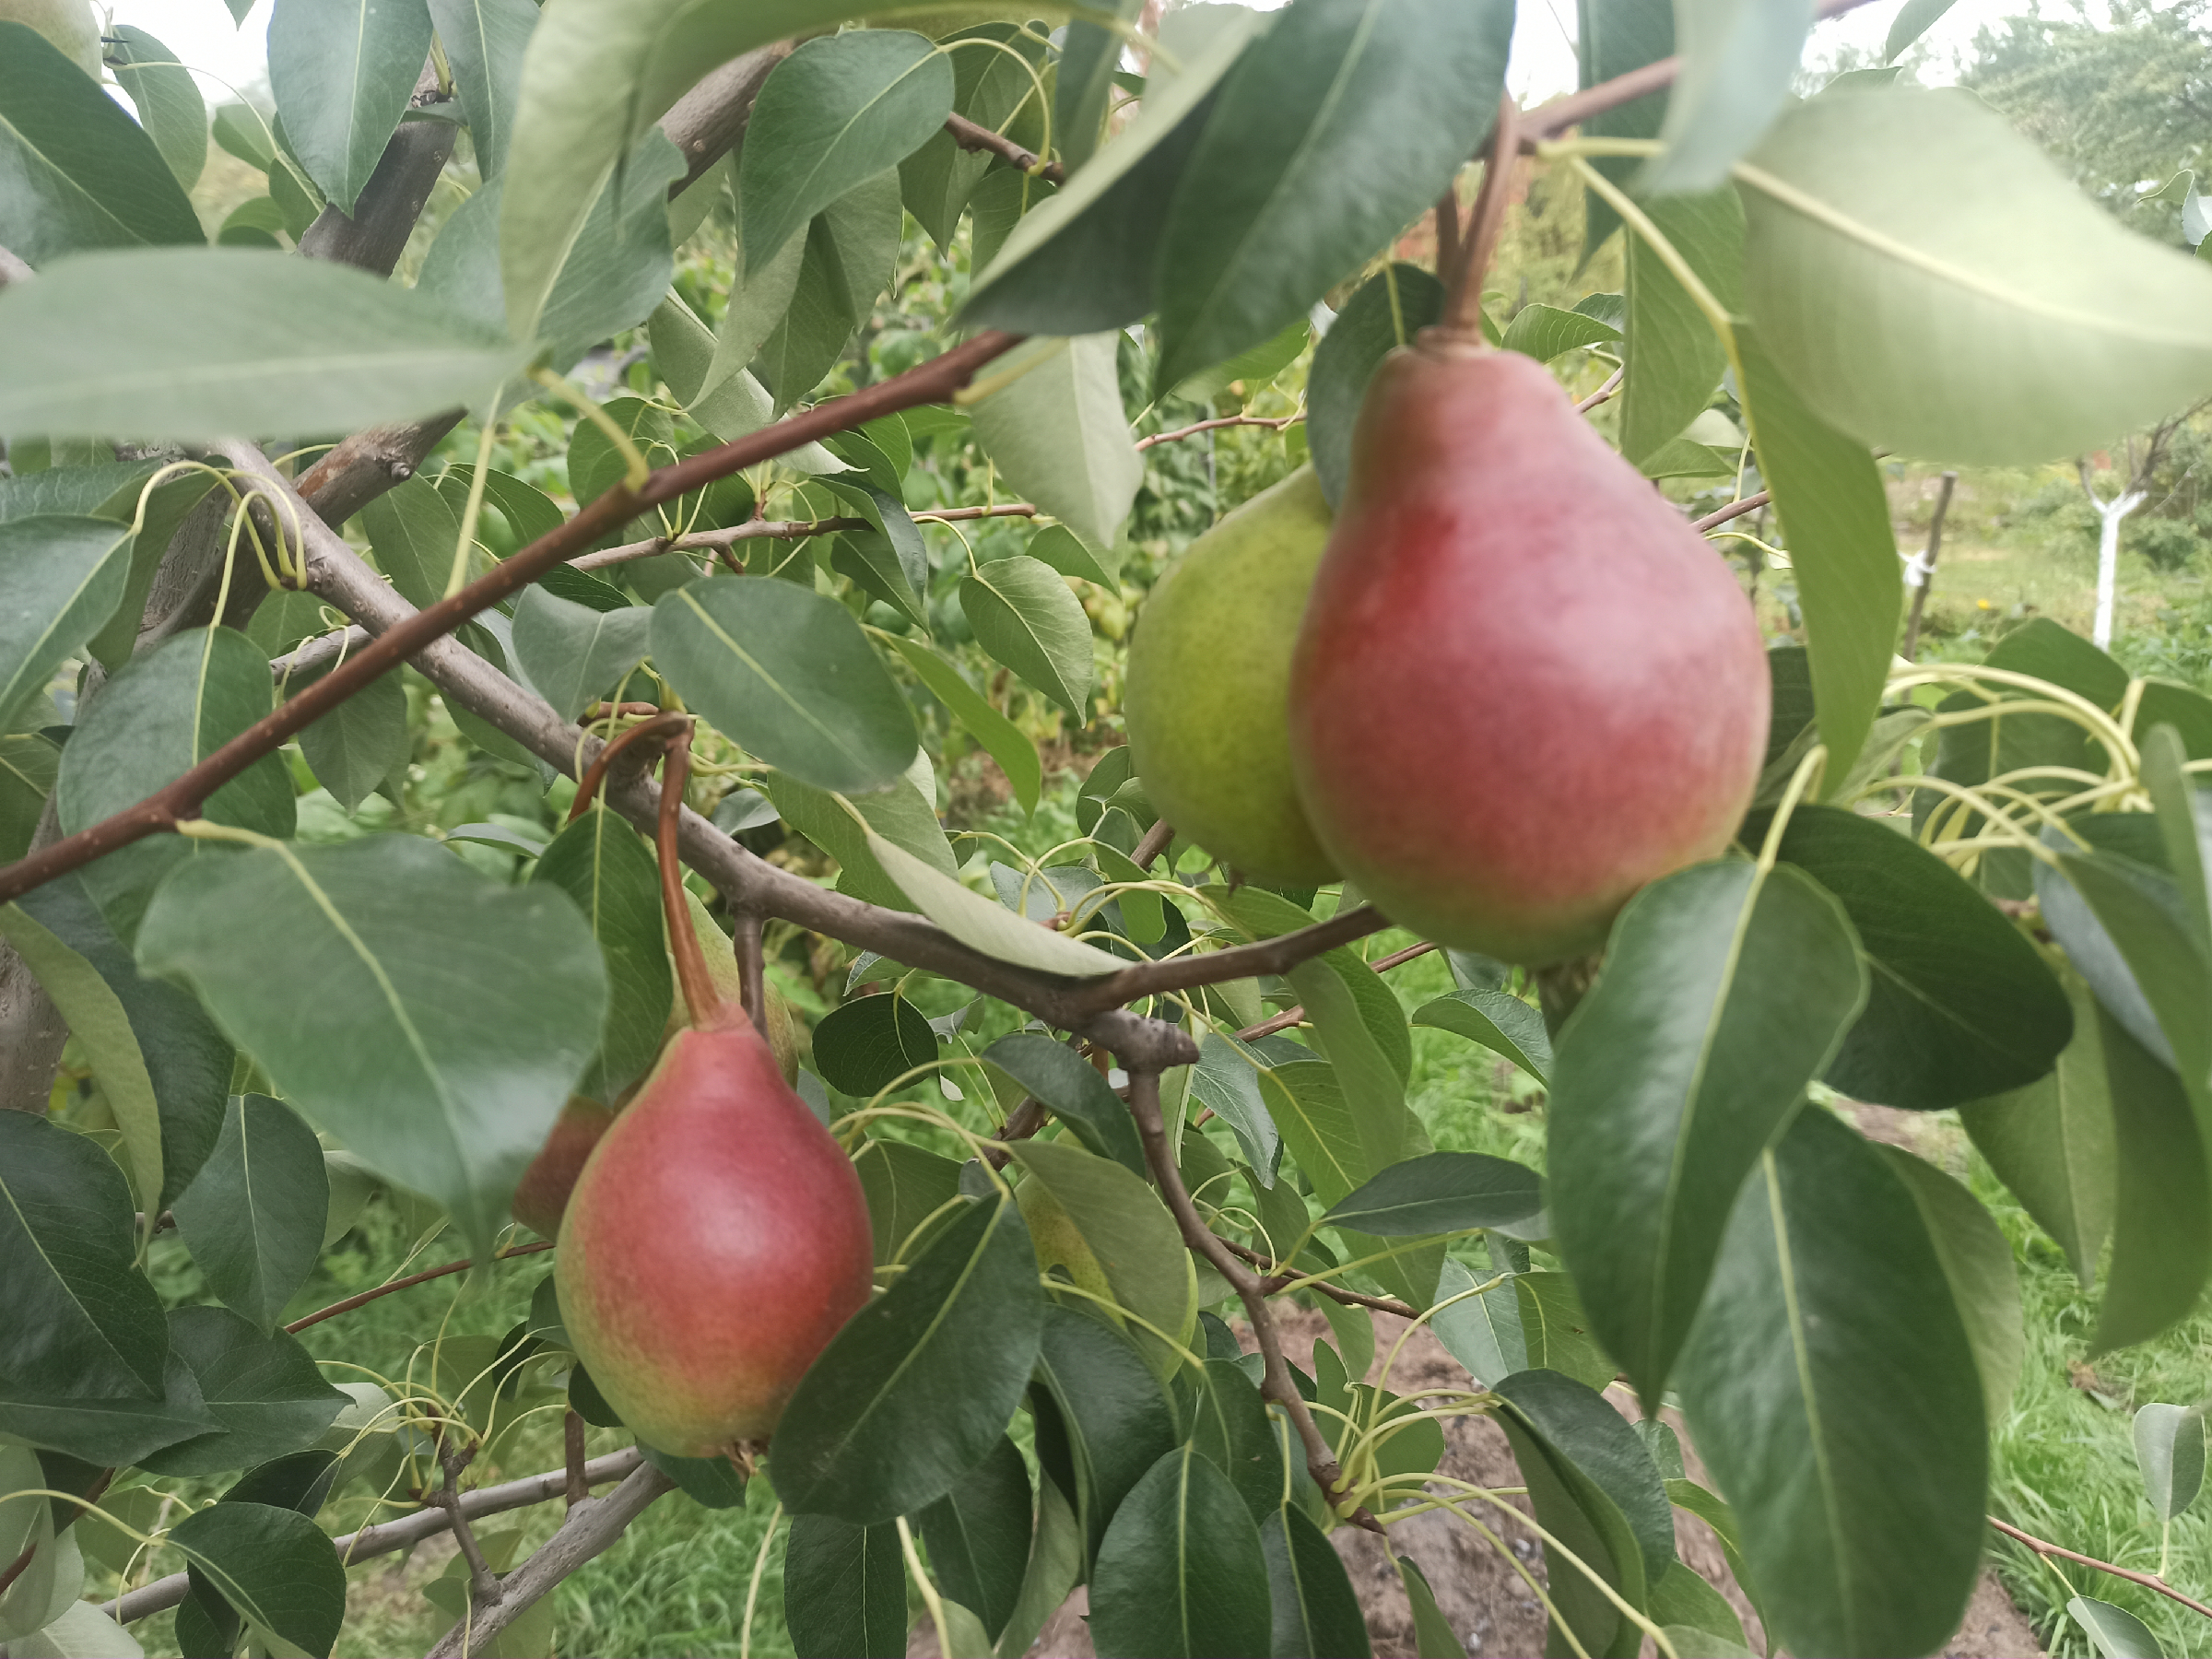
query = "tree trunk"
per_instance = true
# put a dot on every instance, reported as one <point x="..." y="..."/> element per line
<point x="2108" y="561"/>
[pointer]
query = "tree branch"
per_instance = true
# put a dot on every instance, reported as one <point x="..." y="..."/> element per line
<point x="591" y="1527"/>
<point x="407" y="1531"/>
<point x="1276" y="421"/>
<point x="383" y="217"/>
<point x="708" y="120"/>
<point x="1277" y="1383"/>
<point x="413" y="1280"/>
<point x="1277" y="1280"/>
<point x="1733" y="510"/>
<point x="1278" y="954"/>
<point x="2150" y="1580"/>
<point x="971" y="136"/>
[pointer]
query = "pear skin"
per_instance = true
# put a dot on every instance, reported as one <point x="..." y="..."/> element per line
<point x="69" y="24"/>
<point x="1524" y="687"/>
<point x="1209" y="677"/>
<point x="542" y="1195"/>
<point x="715" y="1241"/>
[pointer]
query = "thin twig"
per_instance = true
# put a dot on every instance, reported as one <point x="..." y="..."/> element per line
<point x="1277" y="422"/>
<point x="2150" y="1580"/>
<point x="1278" y="954"/>
<point x="1734" y="510"/>
<point x="1275" y="1280"/>
<point x="1603" y="394"/>
<point x="351" y="1302"/>
<point x="972" y="135"/>
<point x="1277" y="1383"/>
<point x="572" y="1445"/>
<point x="482" y="1583"/>
<point x="946" y="515"/>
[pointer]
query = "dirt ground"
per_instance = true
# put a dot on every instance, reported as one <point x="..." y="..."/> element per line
<point x="1485" y="1599"/>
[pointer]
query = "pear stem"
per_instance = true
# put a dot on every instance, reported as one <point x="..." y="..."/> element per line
<point x="587" y="787"/>
<point x="1463" y="313"/>
<point x="707" y="1010"/>
<point x="1447" y="234"/>
<point x="752" y="979"/>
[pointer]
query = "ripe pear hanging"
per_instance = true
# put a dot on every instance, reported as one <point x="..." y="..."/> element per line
<point x="1208" y="673"/>
<point x="717" y="1238"/>
<point x="1524" y="686"/>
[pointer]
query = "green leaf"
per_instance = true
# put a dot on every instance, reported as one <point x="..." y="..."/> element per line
<point x="1684" y="1603"/>
<point x="1673" y="360"/>
<point x="1055" y="1566"/>
<point x="1338" y="126"/>
<point x="275" y="1566"/>
<point x="1001" y="738"/>
<point x="483" y="40"/>
<point x="868" y="1044"/>
<point x="183" y="1056"/>
<point x="1058" y="434"/>
<point x="168" y="99"/>
<point x="1544" y="332"/>
<point x="1226" y="1080"/>
<point x="917" y="1388"/>
<point x="64" y="577"/>
<point x="51" y="1575"/>
<point x="1612" y="38"/>
<point x="1499" y="1021"/>
<point x="2117" y="1633"/>
<point x="434" y="1021"/>
<point x="978" y="1535"/>
<point x="838" y="110"/>
<point x="1835" y="518"/>
<point x="2052" y="1142"/>
<point x="253" y="1217"/>
<point x="1103" y="1418"/>
<point x="2163" y="1208"/>
<point x="264" y="1388"/>
<point x="341" y="72"/>
<point x="573" y="654"/>
<point x="1236" y="1429"/>
<point x="2018" y="323"/>
<point x="1316" y="1611"/>
<point x="80" y="1318"/>
<point x="1432" y="1633"/>
<point x="1025" y="617"/>
<point x="847" y="259"/>
<point x="82" y="1632"/>
<point x="1071" y="1086"/>
<point x="358" y="744"/>
<point x="1959" y="1005"/>
<point x="1913" y="19"/>
<point x="1182" y="1570"/>
<point x="28" y="765"/>
<point x="607" y="868"/>
<point x="1069" y="554"/>
<point x="1725" y="992"/>
<point x="990" y="928"/>
<point x="2170" y="1451"/>
<point x="251" y="341"/>
<point x="1556" y="1330"/>
<point x="1254" y="369"/>
<point x="990" y="86"/>
<point x="1128" y="1232"/>
<point x="1977" y="1260"/>
<point x="1306" y="1099"/>
<point x="1387" y="313"/>
<point x="1738" y="58"/>
<point x="415" y="535"/>
<point x="1833" y="1391"/>
<point x="899" y="814"/>
<point x="1444" y="1191"/>
<point x="2148" y="921"/>
<point x="844" y="1589"/>
<point x="79" y="173"/>
<point x="786" y="673"/>
<point x="1483" y="1333"/>
<point x="1084" y="262"/>
<point x="906" y="1187"/>
<point x="1595" y="1487"/>
<point x="102" y="1430"/>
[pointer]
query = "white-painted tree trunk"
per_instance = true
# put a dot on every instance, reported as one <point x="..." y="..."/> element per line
<point x="2108" y="560"/>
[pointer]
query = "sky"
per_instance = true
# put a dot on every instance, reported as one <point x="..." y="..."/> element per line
<point x="201" y="34"/>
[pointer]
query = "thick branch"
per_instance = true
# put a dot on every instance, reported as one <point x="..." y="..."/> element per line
<point x="931" y="382"/>
<point x="1277" y="1383"/>
<point x="374" y="235"/>
<point x="406" y="1532"/>
<point x="708" y="120"/>
<point x="591" y="1527"/>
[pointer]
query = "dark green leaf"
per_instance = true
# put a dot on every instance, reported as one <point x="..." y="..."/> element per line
<point x="264" y="1389"/>
<point x="300" y="1480"/>
<point x="253" y="1217"/>
<point x="837" y="112"/>
<point x="251" y="341"/>
<point x="917" y="1388"/>
<point x="80" y="1318"/>
<point x="1958" y="1004"/>
<point x="1499" y="1021"/>
<point x="905" y="1187"/>
<point x="1725" y="992"/>
<point x="273" y="1565"/>
<point x="1071" y="1086"/>
<point x="1432" y="1633"/>
<point x="788" y="673"/>
<point x="28" y="765"/>
<point x="866" y="1045"/>
<point x="1831" y="1387"/>
<point x="1253" y="369"/>
<point x="1226" y="1080"/>
<point x="433" y="1020"/>
<point x="1444" y="1191"/>
<point x="989" y="87"/>
<point x="1316" y="1611"/>
<point x="483" y="40"/>
<point x="1683" y="1602"/>
<point x="107" y="1432"/>
<point x="1977" y="1260"/>
<point x="341" y="72"/>
<point x="1114" y="1421"/>
<point x="843" y="267"/>
<point x="844" y="1589"/>
<point x="2118" y="1633"/>
<point x="2170" y="1451"/>
<point x="1387" y="313"/>
<point x="79" y="172"/>
<point x="356" y="744"/>
<point x="606" y="867"/>
<point x="1339" y="124"/>
<point x="168" y="99"/>
<point x="710" y="1482"/>
<point x="978" y="1535"/>
<point x="2163" y="1209"/>
<point x="1182" y="1570"/>
<point x="1235" y="1429"/>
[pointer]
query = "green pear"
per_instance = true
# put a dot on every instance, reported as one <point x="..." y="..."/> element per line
<point x="69" y="24"/>
<point x="1208" y="688"/>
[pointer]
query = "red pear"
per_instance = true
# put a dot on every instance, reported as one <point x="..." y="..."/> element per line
<point x="543" y="1193"/>
<point x="715" y="1241"/>
<point x="1524" y="686"/>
